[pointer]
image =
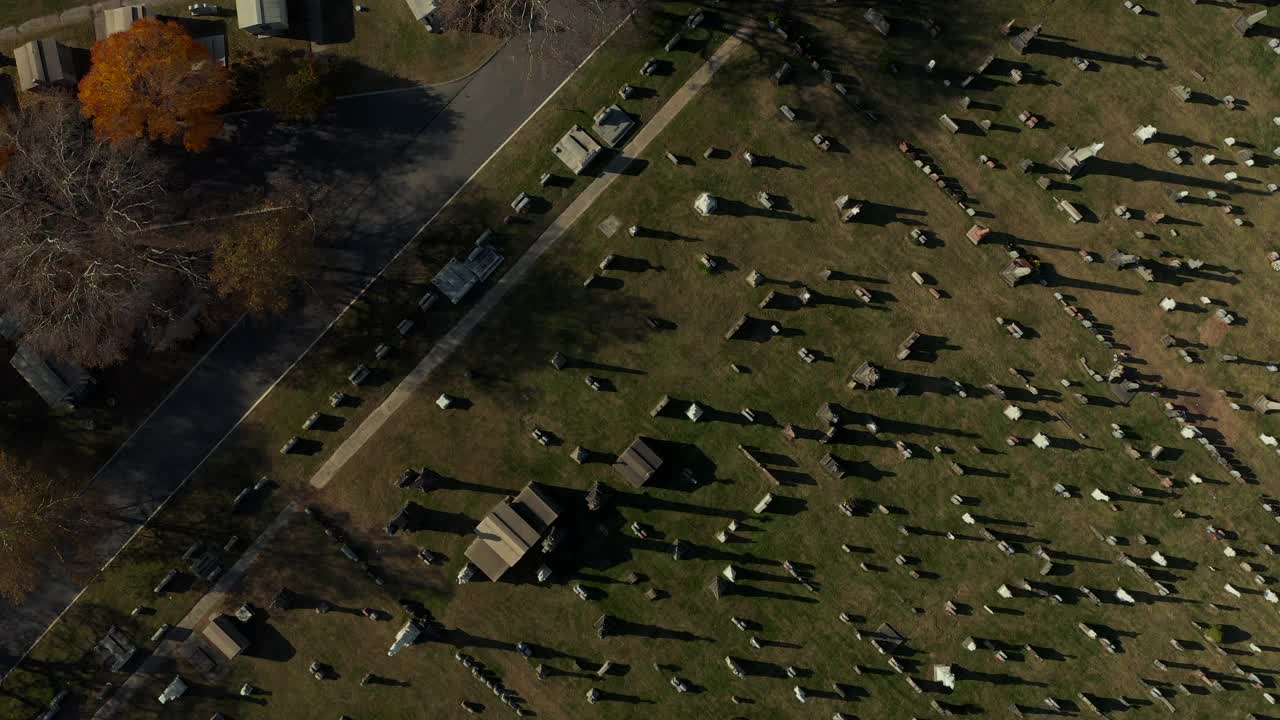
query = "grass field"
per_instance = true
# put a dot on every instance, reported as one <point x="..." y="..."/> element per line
<point x="484" y="451"/>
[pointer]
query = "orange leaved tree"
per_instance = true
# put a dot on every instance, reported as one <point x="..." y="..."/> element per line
<point x="153" y="80"/>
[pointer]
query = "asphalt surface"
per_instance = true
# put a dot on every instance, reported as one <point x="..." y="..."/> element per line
<point x="389" y="162"/>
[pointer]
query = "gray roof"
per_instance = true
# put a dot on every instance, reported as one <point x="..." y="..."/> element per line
<point x="223" y="634"/>
<point x="457" y="277"/>
<point x="577" y="149"/>
<point x="421" y="9"/>
<point x="115" y="648"/>
<point x="216" y="44"/>
<point x="613" y="125"/>
<point x="638" y="463"/>
<point x="510" y="530"/>
<point x="9" y="328"/>
<point x="119" y="19"/>
<point x="59" y="383"/>
<point x="257" y="15"/>
<point x="44" y="62"/>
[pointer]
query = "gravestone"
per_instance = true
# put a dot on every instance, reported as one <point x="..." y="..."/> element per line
<point x="879" y="22"/>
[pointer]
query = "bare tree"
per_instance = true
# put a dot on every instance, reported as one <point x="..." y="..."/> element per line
<point x="75" y="271"/>
<point x="259" y="266"/>
<point x="545" y="24"/>
<point x="37" y="515"/>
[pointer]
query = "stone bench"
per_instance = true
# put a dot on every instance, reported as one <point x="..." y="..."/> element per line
<point x="1073" y="215"/>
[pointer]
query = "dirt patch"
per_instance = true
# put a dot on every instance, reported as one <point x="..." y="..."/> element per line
<point x="1212" y="331"/>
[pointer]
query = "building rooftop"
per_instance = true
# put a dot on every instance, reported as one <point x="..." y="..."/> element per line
<point x="42" y="63"/>
<point x="58" y="383"/>
<point x="223" y="634"/>
<point x="115" y="20"/>
<point x="510" y="530"/>
<point x="638" y="463"/>
<point x="458" y="277"/>
<point x="613" y="125"/>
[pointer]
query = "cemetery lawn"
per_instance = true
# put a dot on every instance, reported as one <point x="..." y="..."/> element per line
<point x="484" y="451"/>
<point x="860" y="566"/>
<point x="199" y="511"/>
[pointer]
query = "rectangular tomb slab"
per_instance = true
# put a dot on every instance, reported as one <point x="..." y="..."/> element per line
<point x="613" y="125"/>
<point x="577" y="149"/>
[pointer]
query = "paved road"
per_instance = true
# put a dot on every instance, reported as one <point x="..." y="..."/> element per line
<point x="391" y="161"/>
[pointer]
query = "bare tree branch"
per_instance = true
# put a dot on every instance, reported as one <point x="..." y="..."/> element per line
<point x="75" y="273"/>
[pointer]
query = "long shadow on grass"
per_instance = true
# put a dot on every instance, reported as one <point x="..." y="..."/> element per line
<point x="837" y="38"/>
<point x="651" y="504"/>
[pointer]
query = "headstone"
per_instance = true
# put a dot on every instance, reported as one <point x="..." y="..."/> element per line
<point x="1245" y="23"/>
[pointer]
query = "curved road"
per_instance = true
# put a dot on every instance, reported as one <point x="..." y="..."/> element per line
<point x="387" y="162"/>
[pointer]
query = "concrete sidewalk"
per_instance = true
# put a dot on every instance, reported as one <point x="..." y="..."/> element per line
<point x="453" y="339"/>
